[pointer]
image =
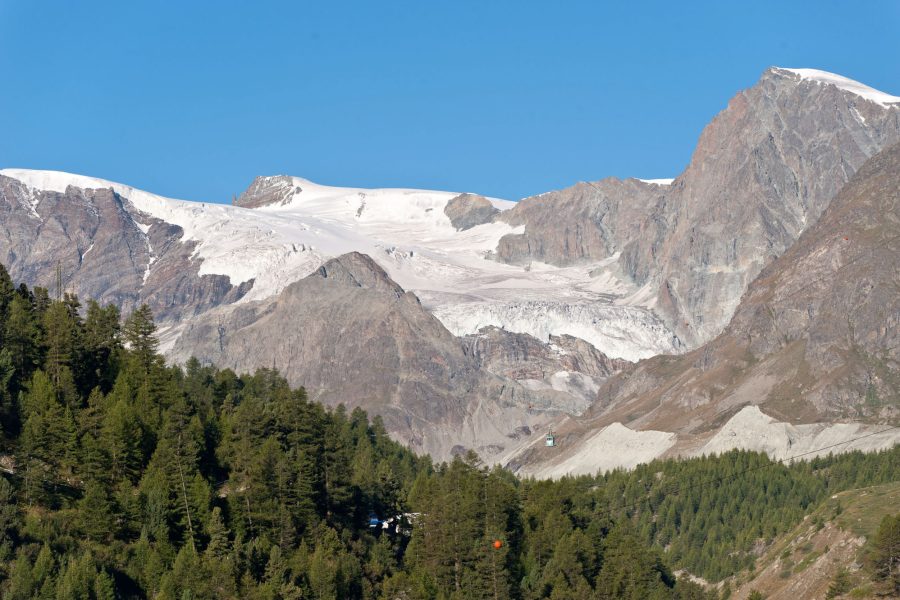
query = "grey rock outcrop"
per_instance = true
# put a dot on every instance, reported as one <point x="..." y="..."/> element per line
<point x="521" y="356"/>
<point x="565" y="363"/>
<point x="581" y="224"/>
<point x="468" y="210"/>
<point x="266" y="191"/>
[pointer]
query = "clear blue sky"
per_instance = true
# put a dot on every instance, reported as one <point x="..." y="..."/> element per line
<point x="507" y="99"/>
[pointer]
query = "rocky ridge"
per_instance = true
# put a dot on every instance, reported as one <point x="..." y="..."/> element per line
<point x="814" y="342"/>
<point x="106" y="250"/>
<point x="763" y="171"/>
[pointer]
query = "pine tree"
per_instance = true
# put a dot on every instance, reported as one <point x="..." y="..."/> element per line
<point x="102" y="333"/>
<point x="21" y="582"/>
<point x="188" y="578"/>
<point x="884" y="557"/>
<point x="8" y="416"/>
<point x="96" y="514"/>
<point x="45" y="434"/>
<point x="21" y="337"/>
<point x="121" y="437"/>
<point x="140" y="334"/>
<point x="219" y="543"/>
<point x="7" y="289"/>
<point x="62" y="340"/>
<point x="104" y="588"/>
<point x="9" y="519"/>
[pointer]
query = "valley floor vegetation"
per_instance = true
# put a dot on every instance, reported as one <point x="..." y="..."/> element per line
<point x="123" y="477"/>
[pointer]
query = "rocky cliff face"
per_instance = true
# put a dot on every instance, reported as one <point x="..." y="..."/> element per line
<point x="816" y="338"/>
<point x="106" y="250"/>
<point x="350" y="335"/>
<point x="565" y="363"/>
<point x="763" y="171"/>
<point x="585" y="223"/>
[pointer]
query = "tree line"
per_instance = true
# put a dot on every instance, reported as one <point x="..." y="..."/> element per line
<point x="125" y="477"/>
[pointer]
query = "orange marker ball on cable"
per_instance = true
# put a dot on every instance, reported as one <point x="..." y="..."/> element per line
<point x="498" y="544"/>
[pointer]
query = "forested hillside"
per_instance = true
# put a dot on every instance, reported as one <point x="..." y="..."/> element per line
<point x="123" y="477"/>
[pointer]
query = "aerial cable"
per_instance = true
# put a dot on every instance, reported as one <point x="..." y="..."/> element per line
<point x="773" y="462"/>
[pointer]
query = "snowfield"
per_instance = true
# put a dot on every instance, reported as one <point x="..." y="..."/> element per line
<point x="407" y="233"/>
<point x="628" y="332"/>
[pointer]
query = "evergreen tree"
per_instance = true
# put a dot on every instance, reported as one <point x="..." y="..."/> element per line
<point x="7" y="292"/>
<point x="96" y="513"/>
<point x="21" y="338"/>
<point x="102" y="343"/>
<point x="62" y="339"/>
<point x="139" y="333"/>
<point x="884" y="557"/>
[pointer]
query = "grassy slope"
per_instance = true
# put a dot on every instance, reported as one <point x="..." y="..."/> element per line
<point x="803" y="563"/>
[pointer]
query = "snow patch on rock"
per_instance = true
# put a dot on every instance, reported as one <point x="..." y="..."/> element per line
<point x="846" y="84"/>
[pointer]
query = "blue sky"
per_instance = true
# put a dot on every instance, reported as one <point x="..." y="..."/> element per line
<point x="507" y="99"/>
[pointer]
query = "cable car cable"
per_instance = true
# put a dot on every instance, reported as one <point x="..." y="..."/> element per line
<point x="757" y="468"/>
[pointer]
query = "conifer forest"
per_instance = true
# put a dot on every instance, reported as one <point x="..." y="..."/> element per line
<point x="126" y="477"/>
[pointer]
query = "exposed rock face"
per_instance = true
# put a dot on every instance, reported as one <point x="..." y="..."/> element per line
<point x="106" y="249"/>
<point x="818" y="332"/>
<point x="815" y="339"/>
<point x="763" y="171"/>
<point x="350" y="335"/>
<point x="568" y="364"/>
<point x="468" y="210"/>
<point x="265" y="191"/>
<point x="584" y="223"/>
<point x="521" y="356"/>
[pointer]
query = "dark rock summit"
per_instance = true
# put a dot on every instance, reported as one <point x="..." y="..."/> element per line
<point x="266" y="191"/>
<point x="468" y="210"/>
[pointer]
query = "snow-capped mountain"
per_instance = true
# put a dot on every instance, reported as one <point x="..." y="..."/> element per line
<point x="763" y="171"/>
<point x="635" y="268"/>
<point x="407" y="232"/>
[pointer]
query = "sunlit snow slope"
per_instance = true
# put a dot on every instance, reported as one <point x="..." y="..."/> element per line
<point x="408" y="234"/>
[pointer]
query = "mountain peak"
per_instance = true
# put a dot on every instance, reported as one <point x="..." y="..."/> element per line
<point x="843" y="83"/>
<point x="358" y="270"/>
<point x="268" y="190"/>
